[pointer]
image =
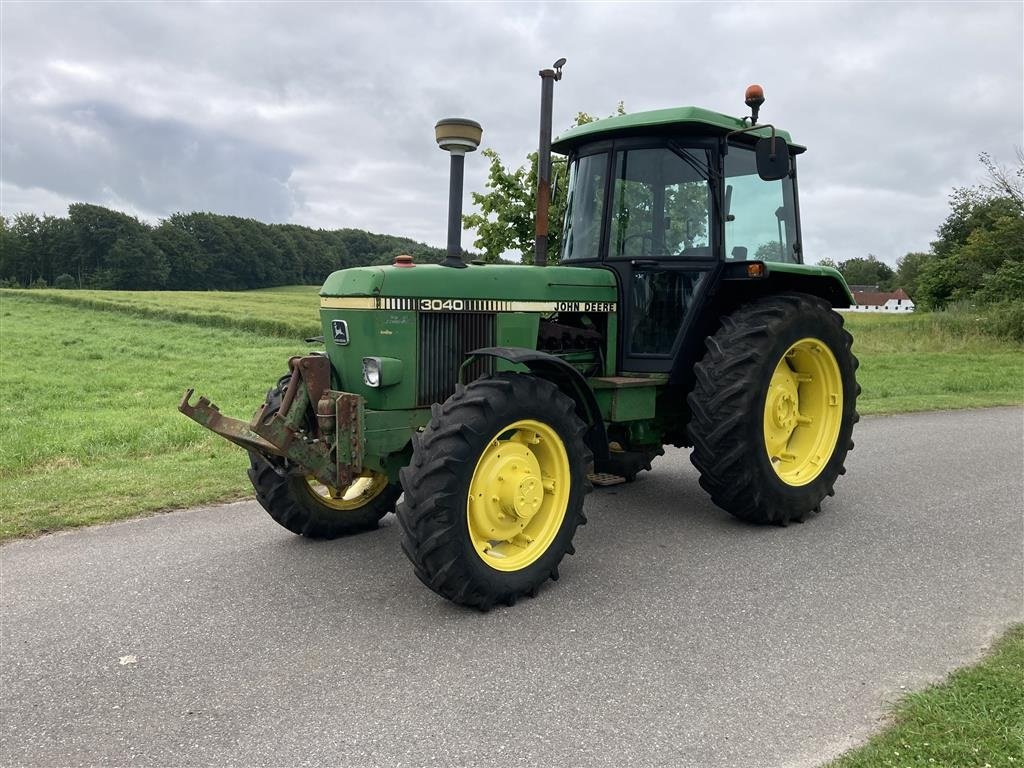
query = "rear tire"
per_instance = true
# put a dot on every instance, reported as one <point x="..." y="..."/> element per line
<point x="309" y="508"/>
<point x="494" y="492"/>
<point x="773" y="408"/>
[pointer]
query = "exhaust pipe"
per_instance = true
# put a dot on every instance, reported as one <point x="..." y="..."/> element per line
<point x="547" y="93"/>
<point x="457" y="136"/>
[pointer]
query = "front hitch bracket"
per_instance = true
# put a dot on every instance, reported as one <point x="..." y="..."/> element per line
<point x="238" y="432"/>
<point x="295" y="430"/>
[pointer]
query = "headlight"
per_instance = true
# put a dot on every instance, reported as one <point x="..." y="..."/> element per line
<point x="381" y="371"/>
<point x="371" y="371"/>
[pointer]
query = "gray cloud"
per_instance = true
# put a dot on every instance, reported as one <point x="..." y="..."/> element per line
<point x="159" y="165"/>
<point x="322" y="114"/>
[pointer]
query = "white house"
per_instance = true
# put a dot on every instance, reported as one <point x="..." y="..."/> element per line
<point x="882" y="301"/>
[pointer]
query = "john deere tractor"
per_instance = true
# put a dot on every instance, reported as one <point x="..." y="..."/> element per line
<point x="486" y="399"/>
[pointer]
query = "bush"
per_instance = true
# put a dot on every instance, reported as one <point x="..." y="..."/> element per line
<point x="1004" y="320"/>
<point x="65" y="281"/>
<point x="38" y="283"/>
<point x="1004" y="285"/>
<point x="966" y="320"/>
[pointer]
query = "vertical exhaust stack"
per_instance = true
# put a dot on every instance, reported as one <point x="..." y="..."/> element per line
<point x="547" y="92"/>
<point x="457" y="136"/>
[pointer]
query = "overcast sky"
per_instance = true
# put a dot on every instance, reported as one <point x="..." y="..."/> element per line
<point x="322" y="113"/>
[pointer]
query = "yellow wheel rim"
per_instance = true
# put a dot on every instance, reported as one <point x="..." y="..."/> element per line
<point x="363" y="489"/>
<point x="518" y="495"/>
<point x="803" y="411"/>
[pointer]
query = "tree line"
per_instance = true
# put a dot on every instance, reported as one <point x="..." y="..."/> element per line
<point x="96" y="247"/>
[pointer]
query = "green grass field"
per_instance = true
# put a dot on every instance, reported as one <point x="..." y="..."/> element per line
<point x="88" y="412"/>
<point x="925" y="362"/>
<point x="90" y="381"/>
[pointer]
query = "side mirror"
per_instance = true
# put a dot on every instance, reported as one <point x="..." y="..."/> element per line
<point x="772" y="166"/>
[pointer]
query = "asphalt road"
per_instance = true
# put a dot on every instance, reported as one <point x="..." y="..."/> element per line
<point x="676" y="636"/>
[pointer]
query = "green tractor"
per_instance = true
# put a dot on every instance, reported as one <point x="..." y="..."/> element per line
<point x="494" y="395"/>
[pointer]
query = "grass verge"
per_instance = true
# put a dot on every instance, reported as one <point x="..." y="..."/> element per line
<point x="975" y="719"/>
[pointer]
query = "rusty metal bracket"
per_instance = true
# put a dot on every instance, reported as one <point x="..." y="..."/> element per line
<point x="317" y="429"/>
<point x="238" y="432"/>
<point x="316" y="373"/>
<point x="311" y="377"/>
<point x="350" y="440"/>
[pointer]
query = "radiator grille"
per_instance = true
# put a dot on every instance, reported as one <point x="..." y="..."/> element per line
<point x="444" y="340"/>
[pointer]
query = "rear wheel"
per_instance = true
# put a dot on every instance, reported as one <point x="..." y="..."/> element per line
<point x="494" y="492"/>
<point x="305" y="506"/>
<point x="773" y="408"/>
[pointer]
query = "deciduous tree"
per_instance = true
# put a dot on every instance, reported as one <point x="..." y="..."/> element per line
<point x="868" y="271"/>
<point x="505" y="219"/>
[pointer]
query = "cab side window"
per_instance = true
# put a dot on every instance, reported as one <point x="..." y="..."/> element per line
<point x="581" y="237"/>
<point x="760" y="215"/>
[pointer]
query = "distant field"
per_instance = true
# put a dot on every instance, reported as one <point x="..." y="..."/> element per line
<point x="90" y="381"/>
<point x="288" y="312"/>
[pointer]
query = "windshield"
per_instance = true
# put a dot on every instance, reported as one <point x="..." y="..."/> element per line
<point x="660" y="205"/>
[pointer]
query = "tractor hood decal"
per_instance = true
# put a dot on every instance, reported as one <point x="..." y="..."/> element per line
<point x="462" y="305"/>
<point x="540" y="287"/>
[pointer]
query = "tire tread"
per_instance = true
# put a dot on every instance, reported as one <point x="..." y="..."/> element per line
<point x="430" y="515"/>
<point x="726" y="394"/>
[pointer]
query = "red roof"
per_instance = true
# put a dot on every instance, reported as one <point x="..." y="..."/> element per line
<point x="878" y="299"/>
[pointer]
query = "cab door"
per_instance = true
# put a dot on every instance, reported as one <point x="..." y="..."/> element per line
<point x="662" y="242"/>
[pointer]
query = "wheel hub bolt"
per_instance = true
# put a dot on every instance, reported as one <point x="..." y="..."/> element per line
<point x="784" y="410"/>
<point x="529" y="496"/>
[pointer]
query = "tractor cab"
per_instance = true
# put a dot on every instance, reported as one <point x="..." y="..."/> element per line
<point x="668" y="200"/>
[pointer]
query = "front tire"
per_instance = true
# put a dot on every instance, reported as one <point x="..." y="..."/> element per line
<point x="773" y="408"/>
<point x="494" y="492"/>
<point x="309" y="508"/>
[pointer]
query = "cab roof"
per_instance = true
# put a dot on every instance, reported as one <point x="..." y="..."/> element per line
<point x="675" y="119"/>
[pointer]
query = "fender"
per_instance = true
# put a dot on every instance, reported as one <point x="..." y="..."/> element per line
<point x="567" y="379"/>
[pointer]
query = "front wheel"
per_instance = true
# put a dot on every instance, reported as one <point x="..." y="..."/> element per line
<point x="494" y="492"/>
<point x="305" y="506"/>
<point x="773" y="408"/>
